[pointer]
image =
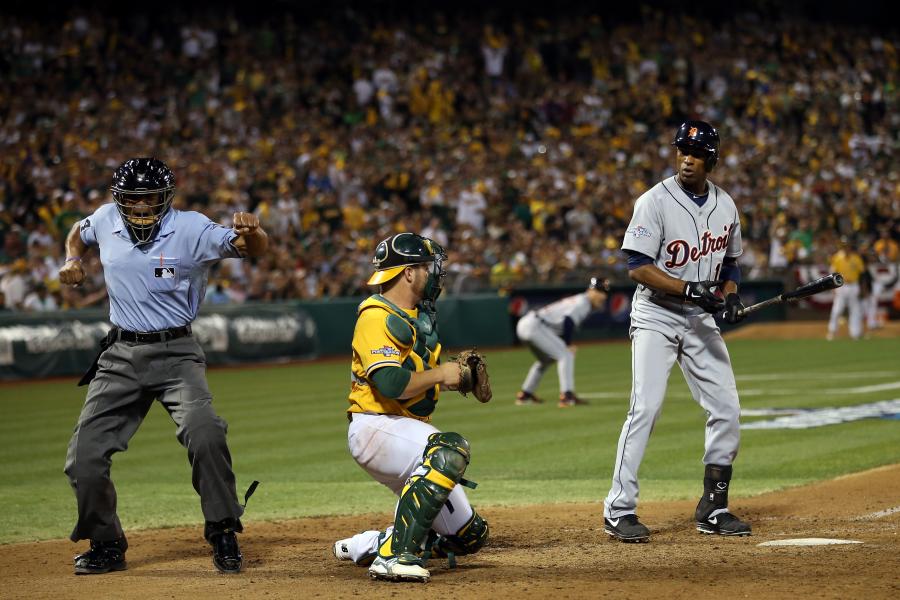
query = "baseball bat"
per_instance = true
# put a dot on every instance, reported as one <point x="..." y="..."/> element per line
<point x="823" y="284"/>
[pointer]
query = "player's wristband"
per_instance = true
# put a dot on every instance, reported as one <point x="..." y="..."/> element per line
<point x="78" y="258"/>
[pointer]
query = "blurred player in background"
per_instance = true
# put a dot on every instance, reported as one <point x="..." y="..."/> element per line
<point x="849" y="264"/>
<point x="548" y="332"/>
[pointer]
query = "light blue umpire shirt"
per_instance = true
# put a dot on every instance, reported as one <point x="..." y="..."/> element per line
<point x="160" y="284"/>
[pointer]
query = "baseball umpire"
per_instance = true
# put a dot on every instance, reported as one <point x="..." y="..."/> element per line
<point x="548" y="332"/>
<point x="155" y="261"/>
<point x="397" y="375"/>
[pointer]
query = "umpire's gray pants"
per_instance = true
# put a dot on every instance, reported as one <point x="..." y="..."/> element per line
<point x="129" y="377"/>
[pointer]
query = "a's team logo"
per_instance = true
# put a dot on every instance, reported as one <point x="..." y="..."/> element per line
<point x="640" y="231"/>
<point x="164" y="272"/>
<point x="386" y="351"/>
<point x="680" y="252"/>
<point x="692" y="132"/>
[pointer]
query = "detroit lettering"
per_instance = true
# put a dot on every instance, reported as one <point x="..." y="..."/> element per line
<point x="680" y="251"/>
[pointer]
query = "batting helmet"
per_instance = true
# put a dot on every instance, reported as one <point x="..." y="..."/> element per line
<point x="143" y="189"/>
<point x="694" y="135"/>
<point x="399" y="251"/>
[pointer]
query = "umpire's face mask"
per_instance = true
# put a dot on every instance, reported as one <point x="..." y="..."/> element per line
<point x="142" y="212"/>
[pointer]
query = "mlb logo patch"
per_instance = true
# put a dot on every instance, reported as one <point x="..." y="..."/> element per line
<point x="164" y="272"/>
<point x="640" y="231"/>
<point x="386" y="351"/>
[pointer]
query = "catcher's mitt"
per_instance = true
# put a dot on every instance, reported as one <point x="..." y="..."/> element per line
<point x="473" y="375"/>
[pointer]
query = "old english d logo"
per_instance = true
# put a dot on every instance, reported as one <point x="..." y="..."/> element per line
<point x="692" y="132"/>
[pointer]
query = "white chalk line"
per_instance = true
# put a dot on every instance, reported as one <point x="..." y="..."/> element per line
<point x="866" y="389"/>
<point x="806" y="375"/>
<point x="743" y="392"/>
<point x="879" y="514"/>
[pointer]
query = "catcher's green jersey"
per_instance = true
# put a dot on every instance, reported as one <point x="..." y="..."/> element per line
<point x="388" y="336"/>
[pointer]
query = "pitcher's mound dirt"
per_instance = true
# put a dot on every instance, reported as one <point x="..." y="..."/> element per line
<point x="557" y="551"/>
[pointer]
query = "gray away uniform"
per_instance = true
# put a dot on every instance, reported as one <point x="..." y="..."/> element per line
<point x="542" y="330"/>
<point x="689" y="242"/>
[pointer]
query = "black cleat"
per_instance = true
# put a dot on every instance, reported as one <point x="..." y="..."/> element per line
<point x="103" y="557"/>
<point x="723" y="524"/>
<point x="527" y="398"/>
<point x="226" y="553"/>
<point x="570" y="399"/>
<point x="627" y="528"/>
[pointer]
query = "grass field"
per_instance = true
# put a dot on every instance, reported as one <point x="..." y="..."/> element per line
<point x="287" y="429"/>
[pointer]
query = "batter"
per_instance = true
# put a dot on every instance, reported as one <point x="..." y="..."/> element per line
<point x="683" y="242"/>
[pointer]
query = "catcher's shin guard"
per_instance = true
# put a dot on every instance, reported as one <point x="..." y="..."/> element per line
<point x="468" y="540"/>
<point x="446" y="458"/>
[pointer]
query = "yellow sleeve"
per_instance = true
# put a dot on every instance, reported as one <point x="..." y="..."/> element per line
<point x="374" y="345"/>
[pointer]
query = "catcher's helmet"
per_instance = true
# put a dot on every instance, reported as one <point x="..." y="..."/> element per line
<point x="699" y="135"/>
<point x="143" y="189"/>
<point x="399" y="251"/>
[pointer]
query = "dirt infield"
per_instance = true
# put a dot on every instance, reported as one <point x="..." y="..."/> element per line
<point x="535" y="552"/>
<point x="805" y="330"/>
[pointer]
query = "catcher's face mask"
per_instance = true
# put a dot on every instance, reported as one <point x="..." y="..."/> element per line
<point x="434" y="285"/>
<point x="406" y="249"/>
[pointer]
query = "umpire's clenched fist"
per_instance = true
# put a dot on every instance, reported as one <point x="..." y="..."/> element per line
<point x="245" y="223"/>
<point x="71" y="273"/>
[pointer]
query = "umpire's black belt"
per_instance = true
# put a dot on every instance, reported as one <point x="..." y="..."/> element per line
<point x="151" y="337"/>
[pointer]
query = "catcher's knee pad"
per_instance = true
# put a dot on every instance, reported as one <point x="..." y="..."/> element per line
<point x="468" y="540"/>
<point x="447" y="453"/>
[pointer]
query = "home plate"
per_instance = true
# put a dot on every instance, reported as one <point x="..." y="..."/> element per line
<point x="808" y="542"/>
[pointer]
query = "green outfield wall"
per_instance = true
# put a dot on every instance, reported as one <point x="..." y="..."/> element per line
<point x="38" y="345"/>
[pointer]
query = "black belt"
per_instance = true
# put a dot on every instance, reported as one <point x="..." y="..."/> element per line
<point x="151" y="337"/>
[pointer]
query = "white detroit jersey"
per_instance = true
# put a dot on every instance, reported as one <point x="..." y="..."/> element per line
<point x="686" y="241"/>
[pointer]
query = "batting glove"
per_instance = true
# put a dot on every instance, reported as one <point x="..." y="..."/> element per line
<point x="734" y="309"/>
<point x="701" y="294"/>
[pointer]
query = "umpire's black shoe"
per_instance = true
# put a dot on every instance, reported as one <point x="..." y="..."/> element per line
<point x="103" y="557"/>
<point x="723" y="524"/>
<point x="226" y="553"/>
<point x="627" y="528"/>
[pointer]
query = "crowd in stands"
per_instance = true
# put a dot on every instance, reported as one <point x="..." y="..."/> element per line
<point x="519" y="144"/>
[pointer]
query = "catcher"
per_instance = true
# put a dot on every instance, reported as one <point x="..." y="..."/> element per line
<point x="396" y="377"/>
